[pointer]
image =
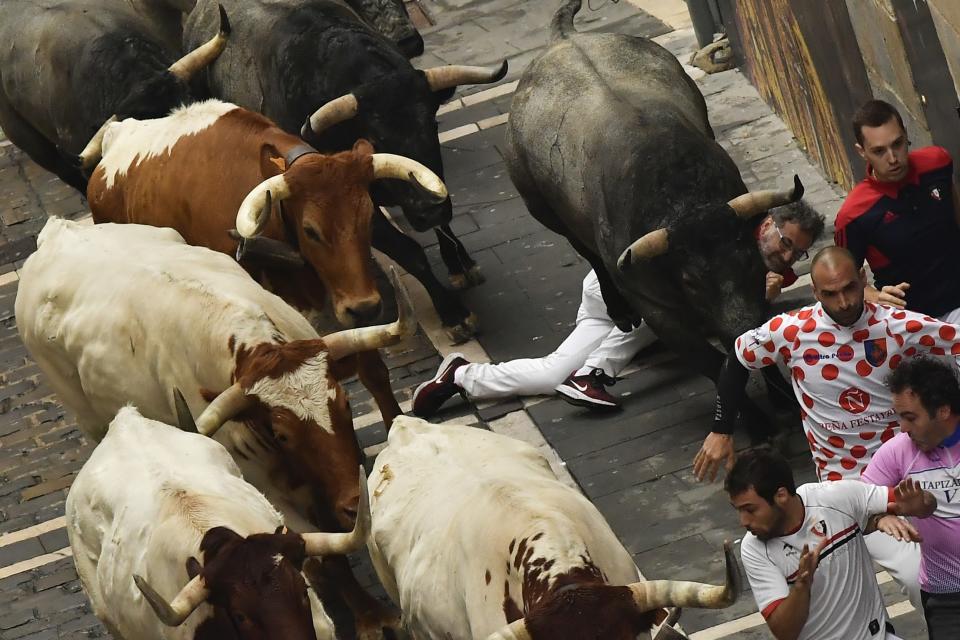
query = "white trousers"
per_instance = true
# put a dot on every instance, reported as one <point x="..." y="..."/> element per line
<point x="901" y="560"/>
<point x="952" y="317"/>
<point x="594" y="342"/>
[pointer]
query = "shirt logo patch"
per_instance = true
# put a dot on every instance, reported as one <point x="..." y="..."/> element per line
<point x="876" y="351"/>
<point x="935" y="194"/>
<point x="854" y="400"/>
<point x="819" y="529"/>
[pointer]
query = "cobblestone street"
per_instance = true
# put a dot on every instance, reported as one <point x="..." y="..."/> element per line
<point x="634" y="465"/>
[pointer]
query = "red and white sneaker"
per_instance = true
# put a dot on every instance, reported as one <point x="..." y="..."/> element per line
<point x="588" y="390"/>
<point x="430" y="396"/>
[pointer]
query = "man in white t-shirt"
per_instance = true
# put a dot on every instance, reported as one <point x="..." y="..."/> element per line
<point x="804" y="553"/>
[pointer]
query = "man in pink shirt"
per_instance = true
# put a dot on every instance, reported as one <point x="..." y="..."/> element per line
<point x="926" y="396"/>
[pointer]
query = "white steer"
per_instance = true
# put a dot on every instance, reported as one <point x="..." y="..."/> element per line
<point x="475" y="537"/>
<point x="149" y="502"/>
<point x="116" y="314"/>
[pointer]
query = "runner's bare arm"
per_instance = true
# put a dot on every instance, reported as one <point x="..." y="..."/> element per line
<point x="788" y="619"/>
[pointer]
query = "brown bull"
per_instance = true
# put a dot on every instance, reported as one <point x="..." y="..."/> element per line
<point x="197" y="168"/>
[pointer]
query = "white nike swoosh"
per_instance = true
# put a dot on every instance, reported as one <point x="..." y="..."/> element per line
<point x="578" y="387"/>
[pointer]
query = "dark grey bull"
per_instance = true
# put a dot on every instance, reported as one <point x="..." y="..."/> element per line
<point x="609" y="145"/>
<point x="315" y="62"/>
<point x="66" y="66"/>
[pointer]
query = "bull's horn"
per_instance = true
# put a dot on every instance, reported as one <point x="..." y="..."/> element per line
<point x="750" y="204"/>
<point x="454" y="75"/>
<point x="388" y="165"/>
<point x="184" y="417"/>
<point x="185" y="67"/>
<point x="255" y="209"/>
<point x="670" y="593"/>
<point x="92" y="153"/>
<point x="516" y="630"/>
<point x="350" y="341"/>
<point x="326" y="544"/>
<point x="335" y="111"/>
<point x="649" y="246"/>
<point x="174" y="613"/>
<point x="223" y="408"/>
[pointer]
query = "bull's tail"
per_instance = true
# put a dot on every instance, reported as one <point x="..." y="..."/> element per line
<point x="562" y="24"/>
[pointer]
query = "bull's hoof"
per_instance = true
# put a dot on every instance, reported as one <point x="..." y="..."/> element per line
<point x="463" y="331"/>
<point x="471" y="278"/>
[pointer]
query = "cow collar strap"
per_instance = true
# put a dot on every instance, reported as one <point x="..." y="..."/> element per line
<point x="296" y="153"/>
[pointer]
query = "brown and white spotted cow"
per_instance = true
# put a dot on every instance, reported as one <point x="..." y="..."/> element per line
<point x="475" y="537"/>
<point x="116" y="314"/>
<point x="195" y="169"/>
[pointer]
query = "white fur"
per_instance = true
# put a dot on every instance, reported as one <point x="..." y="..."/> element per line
<point x="124" y="313"/>
<point x="446" y="502"/>
<point x="303" y="391"/>
<point x="141" y="504"/>
<point x="131" y="140"/>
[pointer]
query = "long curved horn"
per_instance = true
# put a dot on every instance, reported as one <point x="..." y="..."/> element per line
<point x="671" y="593"/>
<point x="335" y="111"/>
<point x="255" y="209"/>
<point x="224" y="407"/>
<point x="650" y="245"/>
<point x="184" y="417"/>
<point x="350" y="341"/>
<point x="185" y="67"/>
<point x="454" y="75"/>
<point x="92" y="153"/>
<point x="388" y="165"/>
<point x="516" y="630"/>
<point x="750" y="204"/>
<point x="326" y="544"/>
<point x="175" y="612"/>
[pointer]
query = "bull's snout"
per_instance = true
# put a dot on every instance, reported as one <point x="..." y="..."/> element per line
<point x="364" y="312"/>
<point x="411" y="46"/>
<point x="346" y="511"/>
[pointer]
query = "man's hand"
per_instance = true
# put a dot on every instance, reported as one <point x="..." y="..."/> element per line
<point x="716" y="450"/>
<point x="808" y="565"/>
<point x="912" y="500"/>
<point x="898" y="528"/>
<point x="774" y="285"/>
<point x="893" y="295"/>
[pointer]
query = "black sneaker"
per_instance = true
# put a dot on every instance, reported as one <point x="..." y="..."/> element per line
<point x="430" y="396"/>
<point x="588" y="390"/>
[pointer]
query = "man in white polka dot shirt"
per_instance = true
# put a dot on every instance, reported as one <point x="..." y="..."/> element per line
<point x="839" y="352"/>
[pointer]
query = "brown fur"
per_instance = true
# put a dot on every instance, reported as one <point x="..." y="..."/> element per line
<point x="254" y="597"/>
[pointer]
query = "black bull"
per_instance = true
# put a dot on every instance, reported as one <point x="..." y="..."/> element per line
<point x="609" y="145"/>
<point x="288" y="58"/>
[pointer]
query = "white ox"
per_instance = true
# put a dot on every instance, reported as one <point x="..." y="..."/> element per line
<point x="475" y="537"/>
<point x="149" y="502"/>
<point x="116" y="314"/>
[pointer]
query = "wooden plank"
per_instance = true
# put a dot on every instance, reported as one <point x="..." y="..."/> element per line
<point x="778" y="60"/>
<point x="931" y="76"/>
<point x="836" y="55"/>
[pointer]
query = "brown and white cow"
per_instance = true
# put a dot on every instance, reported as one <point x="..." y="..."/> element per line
<point x="116" y="314"/>
<point x="153" y="499"/>
<point x="195" y="169"/>
<point x="474" y="537"/>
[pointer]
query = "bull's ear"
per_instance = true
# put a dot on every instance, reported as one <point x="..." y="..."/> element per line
<point x="193" y="567"/>
<point x="364" y="147"/>
<point x="443" y="95"/>
<point x="215" y="540"/>
<point x="271" y="161"/>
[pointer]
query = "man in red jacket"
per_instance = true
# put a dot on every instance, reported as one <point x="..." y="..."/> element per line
<point x="903" y="217"/>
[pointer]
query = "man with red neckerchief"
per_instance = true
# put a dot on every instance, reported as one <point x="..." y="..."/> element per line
<point x="839" y="352"/>
<point x="903" y="217"/>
